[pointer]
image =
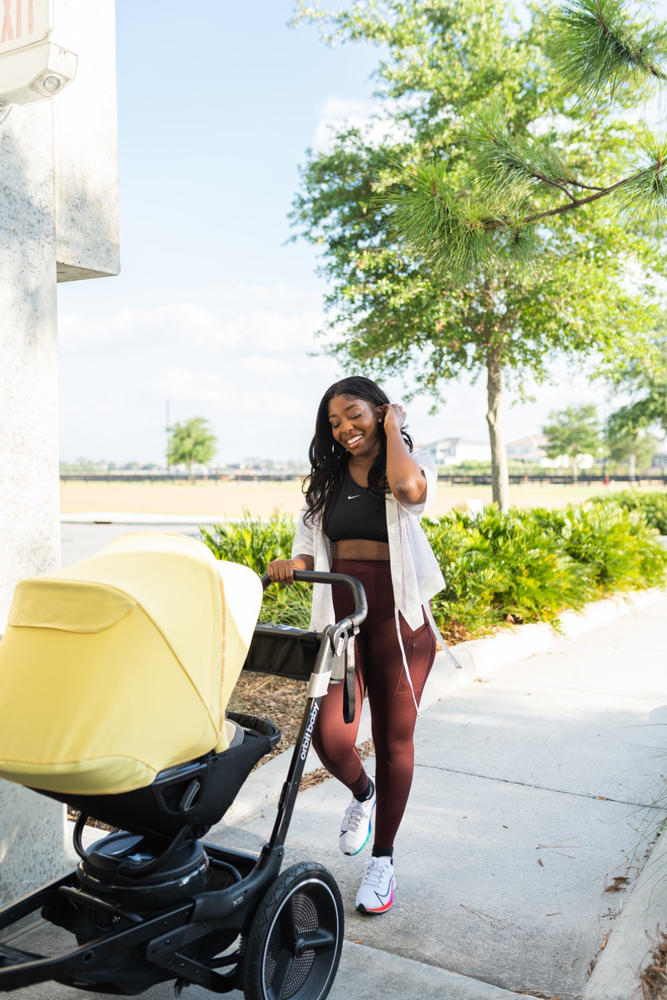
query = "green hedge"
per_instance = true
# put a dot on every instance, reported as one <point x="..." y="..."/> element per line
<point x="652" y="505"/>
<point x="522" y="566"/>
<point x="530" y="565"/>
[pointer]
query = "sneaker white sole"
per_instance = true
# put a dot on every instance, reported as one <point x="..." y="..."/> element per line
<point x="353" y="854"/>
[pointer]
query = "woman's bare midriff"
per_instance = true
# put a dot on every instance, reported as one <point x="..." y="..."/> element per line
<point x="360" y="548"/>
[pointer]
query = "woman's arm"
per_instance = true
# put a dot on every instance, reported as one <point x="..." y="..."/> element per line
<point x="406" y="480"/>
<point x="282" y="570"/>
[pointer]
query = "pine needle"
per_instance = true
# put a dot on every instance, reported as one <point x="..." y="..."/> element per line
<point x="597" y="50"/>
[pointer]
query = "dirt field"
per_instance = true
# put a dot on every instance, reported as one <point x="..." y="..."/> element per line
<point x="219" y="501"/>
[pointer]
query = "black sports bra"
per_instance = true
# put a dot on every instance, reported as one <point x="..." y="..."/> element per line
<point x="355" y="513"/>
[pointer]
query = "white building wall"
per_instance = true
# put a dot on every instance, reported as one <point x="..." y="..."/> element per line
<point x="58" y="212"/>
<point x="86" y="145"/>
<point x="29" y="499"/>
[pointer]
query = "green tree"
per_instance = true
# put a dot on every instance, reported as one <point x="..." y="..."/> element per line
<point x="191" y="442"/>
<point x="574" y="432"/>
<point x="628" y="446"/>
<point x="427" y="279"/>
<point x="645" y="381"/>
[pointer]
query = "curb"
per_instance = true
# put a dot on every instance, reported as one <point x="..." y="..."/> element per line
<point x="366" y="974"/>
<point x="459" y="665"/>
<point x="617" y="972"/>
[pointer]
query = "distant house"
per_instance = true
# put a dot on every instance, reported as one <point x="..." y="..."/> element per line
<point x="454" y="450"/>
<point x="527" y="449"/>
<point x="532" y="449"/>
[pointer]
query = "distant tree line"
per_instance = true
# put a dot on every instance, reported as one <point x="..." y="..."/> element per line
<point x="102" y="465"/>
<point x="577" y="431"/>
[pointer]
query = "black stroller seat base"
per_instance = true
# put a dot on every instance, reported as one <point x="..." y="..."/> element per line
<point x="126" y="951"/>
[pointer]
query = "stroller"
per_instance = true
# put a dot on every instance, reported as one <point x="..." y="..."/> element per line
<point x="135" y="653"/>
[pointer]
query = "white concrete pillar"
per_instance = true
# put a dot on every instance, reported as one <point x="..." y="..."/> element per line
<point x="31" y="828"/>
<point x="58" y="220"/>
<point x="29" y="499"/>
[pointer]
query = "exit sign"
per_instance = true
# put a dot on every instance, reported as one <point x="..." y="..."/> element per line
<point x="23" y="22"/>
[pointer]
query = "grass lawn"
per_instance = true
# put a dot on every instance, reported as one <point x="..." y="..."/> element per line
<point x="229" y="500"/>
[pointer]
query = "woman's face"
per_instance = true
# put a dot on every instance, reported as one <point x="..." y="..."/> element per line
<point x="355" y="425"/>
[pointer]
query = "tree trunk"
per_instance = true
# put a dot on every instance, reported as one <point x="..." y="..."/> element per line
<point x="494" y="396"/>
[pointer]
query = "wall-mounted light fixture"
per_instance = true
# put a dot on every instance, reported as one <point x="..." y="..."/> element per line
<point x="32" y="67"/>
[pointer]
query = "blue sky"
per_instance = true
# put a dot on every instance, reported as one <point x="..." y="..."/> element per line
<point x="213" y="311"/>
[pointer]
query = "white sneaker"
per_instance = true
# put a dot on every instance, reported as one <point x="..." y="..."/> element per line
<point x="376" y="892"/>
<point x="355" y="828"/>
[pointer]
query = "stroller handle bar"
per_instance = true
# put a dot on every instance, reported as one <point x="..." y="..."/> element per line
<point x="358" y="592"/>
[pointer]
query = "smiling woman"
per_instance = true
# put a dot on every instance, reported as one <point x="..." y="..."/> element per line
<point x="364" y="496"/>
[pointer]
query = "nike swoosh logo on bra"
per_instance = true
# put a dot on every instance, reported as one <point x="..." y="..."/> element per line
<point x="355" y="497"/>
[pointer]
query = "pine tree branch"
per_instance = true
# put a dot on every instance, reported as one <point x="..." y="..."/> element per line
<point x="578" y="202"/>
<point x="597" y="49"/>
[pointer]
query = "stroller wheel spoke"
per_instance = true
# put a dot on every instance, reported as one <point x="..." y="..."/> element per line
<point x="288" y="925"/>
<point x="275" y="989"/>
<point x="317" y="940"/>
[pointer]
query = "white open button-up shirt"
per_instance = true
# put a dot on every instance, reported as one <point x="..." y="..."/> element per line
<point x="415" y="573"/>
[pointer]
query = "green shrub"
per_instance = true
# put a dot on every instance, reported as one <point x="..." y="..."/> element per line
<point x="522" y="566"/>
<point x="652" y="505"/>
<point x="617" y="545"/>
<point x="502" y="567"/>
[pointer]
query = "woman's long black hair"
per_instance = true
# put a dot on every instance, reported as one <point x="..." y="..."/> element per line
<point x="328" y="458"/>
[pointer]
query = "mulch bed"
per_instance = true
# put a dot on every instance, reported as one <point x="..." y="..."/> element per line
<point x="654" y="976"/>
<point x="278" y="699"/>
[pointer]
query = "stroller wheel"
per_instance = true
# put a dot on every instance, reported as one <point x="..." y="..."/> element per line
<point x="296" y="937"/>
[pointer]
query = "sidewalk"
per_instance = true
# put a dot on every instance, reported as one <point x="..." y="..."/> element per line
<point x="538" y="767"/>
<point x="534" y="792"/>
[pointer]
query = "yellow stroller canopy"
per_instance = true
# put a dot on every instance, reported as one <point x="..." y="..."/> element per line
<point x="122" y="665"/>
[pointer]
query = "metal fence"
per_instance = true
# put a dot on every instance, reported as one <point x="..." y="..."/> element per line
<point x="657" y="479"/>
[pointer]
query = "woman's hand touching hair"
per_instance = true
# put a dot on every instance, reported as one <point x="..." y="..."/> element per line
<point x="392" y="415"/>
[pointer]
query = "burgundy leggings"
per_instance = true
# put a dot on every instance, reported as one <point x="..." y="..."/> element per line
<point x="380" y="672"/>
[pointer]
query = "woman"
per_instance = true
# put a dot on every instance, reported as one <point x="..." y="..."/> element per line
<point x="364" y="495"/>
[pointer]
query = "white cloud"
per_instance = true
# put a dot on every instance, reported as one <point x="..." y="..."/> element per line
<point x="188" y="326"/>
<point x="249" y="372"/>
<point x="184" y="385"/>
<point x="277" y="333"/>
<point x="338" y="113"/>
<point x="179" y="321"/>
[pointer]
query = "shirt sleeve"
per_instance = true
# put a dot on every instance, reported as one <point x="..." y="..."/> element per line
<point x="303" y="537"/>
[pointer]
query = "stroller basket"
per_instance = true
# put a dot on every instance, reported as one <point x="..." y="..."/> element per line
<point x="153" y="902"/>
<point x="288" y="652"/>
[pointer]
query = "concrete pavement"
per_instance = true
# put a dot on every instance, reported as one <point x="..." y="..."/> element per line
<point x="535" y="798"/>
<point x="537" y="788"/>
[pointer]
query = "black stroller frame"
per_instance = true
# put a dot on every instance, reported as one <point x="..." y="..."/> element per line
<point x="153" y="902"/>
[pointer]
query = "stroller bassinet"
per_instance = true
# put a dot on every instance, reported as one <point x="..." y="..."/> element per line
<point x="115" y="676"/>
